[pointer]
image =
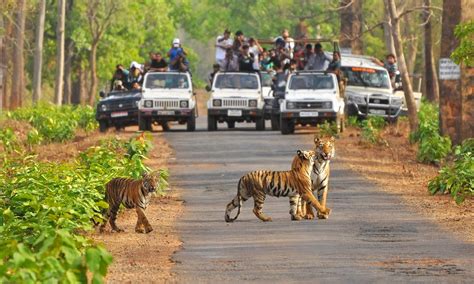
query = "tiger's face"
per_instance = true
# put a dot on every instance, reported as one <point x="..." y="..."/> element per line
<point x="324" y="149"/>
<point x="149" y="182"/>
<point x="304" y="160"/>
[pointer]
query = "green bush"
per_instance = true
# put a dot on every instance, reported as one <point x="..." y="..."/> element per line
<point x="371" y="130"/>
<point x="353" y="121"/>
<point x="46" y="207"/>
<point x="457" y="178"/>
<point x="432" y="147"/>
<point x="56" y="124"/>
<point x="328" y="129"/>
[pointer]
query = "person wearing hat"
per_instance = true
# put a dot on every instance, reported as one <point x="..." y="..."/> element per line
<point x="318" y="60"/>
<point x="177" y="55"/>
<point x="223" y="42"/>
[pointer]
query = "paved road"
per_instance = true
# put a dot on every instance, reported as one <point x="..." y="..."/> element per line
<point x="370" y="236"/>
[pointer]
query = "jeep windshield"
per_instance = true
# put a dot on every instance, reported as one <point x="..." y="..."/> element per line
<point x="311" y="82"/>
<point x="366" y="77"/>
<point x="123" y="93"/>
<point x="236" y="81"/>
<point x="166" y="81"/>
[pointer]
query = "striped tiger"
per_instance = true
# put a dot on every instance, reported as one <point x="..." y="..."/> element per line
<point x="324" y="151"/>
<point x="131" y="193"/>
<point x="295" y="183"/>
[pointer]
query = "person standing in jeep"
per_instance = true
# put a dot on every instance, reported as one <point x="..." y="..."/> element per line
<point x="246" y="60"/>
<point x="223" y="42"/>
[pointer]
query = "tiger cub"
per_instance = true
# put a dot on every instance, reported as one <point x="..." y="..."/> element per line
<point x="324" y="151"/>
<point x="295" y="184"/>
<point x="132" y="194"/>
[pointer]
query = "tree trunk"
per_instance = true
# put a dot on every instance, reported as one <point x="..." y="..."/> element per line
<point x="407" y="88"/>
<point x="93" y="73"/>
<point x="38" y="57"/>
<point x="456" y="97"/>
<point x="431" y="77"/>
<point x="387" y="30"/>
<point x="69" y="55"/>
<point x="18" y="56"/>
<point x="59" y="82"/>
<point x="351" y="26"/>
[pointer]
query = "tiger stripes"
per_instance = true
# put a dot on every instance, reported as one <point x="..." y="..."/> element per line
<point x="132" y="194"/>
<point x="295" y="184"/>
<point x="324" y="151"/>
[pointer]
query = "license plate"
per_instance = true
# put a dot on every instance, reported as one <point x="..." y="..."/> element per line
<point x="308" y="113"/>
<point x="234" y="112"/>
<point x="166" y="112"/>
<point x="119" y="114"/>
<point x="377" y="111"/>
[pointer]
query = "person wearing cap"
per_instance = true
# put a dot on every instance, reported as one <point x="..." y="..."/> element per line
<point x="239" y="40"/>
<point x="318" y="60"/>
<point x="223" y="42"/>
<point x="177" y="55"/>
<point x="246" y="59"/>
<point x="289" y="42"/>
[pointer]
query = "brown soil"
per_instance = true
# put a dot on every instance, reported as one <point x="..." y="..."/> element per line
<point x="145" y="258"/>
<point x="396" y="170"/>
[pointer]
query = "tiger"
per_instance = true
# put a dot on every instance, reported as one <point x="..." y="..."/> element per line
<point x="132" y="193"/>
<point x="324" y="151"/>
<point x="295" y="183"/>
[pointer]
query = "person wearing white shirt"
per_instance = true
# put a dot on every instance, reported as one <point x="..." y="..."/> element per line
<point x="289" y="42"/>
<point x="223" y="42"/>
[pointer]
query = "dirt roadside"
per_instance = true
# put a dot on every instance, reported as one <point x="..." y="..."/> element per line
<point x="146" y="258"/>
<point x="396" y="170"/>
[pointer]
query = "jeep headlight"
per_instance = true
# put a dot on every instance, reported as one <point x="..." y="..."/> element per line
<point x="327" y="105"/>
<point x="217" y="103"/>
<point x="252" y="103"/>
<point x="148" y="103"/>
<point x="183" y="104"/>
<point x="290" y="105"/>
<point x="397" y="101"/>
<point x="103" y="107"/>
<point x="356" y="99"/>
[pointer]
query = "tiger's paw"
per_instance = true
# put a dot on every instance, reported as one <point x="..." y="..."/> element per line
<point x="267" y="219"/>
<point x="296" y="217"/>
<point x="148" y="229"/>
<point x="309" y="216"/>
<point x="139" y="230"/>
<point x="118" y="230"/>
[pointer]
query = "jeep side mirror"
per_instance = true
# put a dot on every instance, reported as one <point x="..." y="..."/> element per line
<point x="102" y="94"/>
<point x="208" y="88"/>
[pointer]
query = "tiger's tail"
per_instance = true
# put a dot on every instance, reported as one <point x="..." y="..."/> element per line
<point x="231" y="206"/>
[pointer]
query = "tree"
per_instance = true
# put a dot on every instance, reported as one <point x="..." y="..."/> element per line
<point x="431" y="77"/>
<point x="99" y="14"/>
<point x="456" y="96"/>
<point x="58" y="88"/>
<point x="38" y="55"/>
<point x="351" y="25"/>
<point x="407" y="87"/>
<point x="18" y="77"/>
<point x="387" y="30"/>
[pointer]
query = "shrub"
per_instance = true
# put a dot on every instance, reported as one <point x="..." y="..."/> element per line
<point x="458" y="178"/>
<point x="46" y="206"/>
<point x="328" y="129"/>
<point x="353" y="121"/>
<point x="56" y="124"/>
<point x="371" y="130"/>
<point x="432" y="147"/>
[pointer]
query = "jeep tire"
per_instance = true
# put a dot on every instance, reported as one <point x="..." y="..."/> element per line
<point x="191" y="123"/>
<point x="211" y="123"/>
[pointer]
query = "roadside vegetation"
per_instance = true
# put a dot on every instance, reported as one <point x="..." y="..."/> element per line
<point x="48" y="208"/>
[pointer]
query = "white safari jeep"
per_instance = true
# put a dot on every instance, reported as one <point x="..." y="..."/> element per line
<point x="310" y="99"/>
<point x="235" y="97"/>
<point x="369" y="91"/>
<point x="167" y="96"/>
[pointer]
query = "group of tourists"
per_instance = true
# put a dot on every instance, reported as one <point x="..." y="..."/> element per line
<point x="132" y="78"/>
<point x="247" y="55"/>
